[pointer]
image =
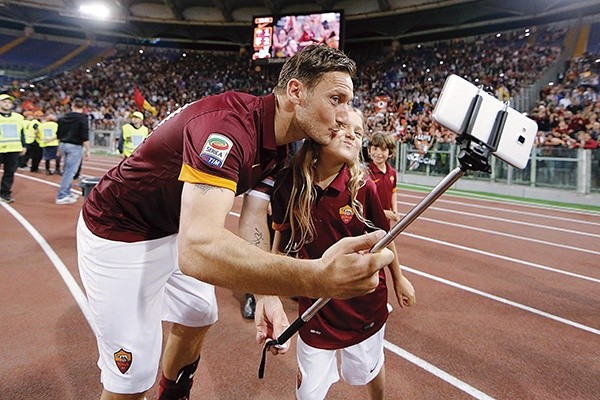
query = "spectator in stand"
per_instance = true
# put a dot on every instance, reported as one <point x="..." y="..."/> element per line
<point x="586" y="141"/>
<point x="595" y="130"/>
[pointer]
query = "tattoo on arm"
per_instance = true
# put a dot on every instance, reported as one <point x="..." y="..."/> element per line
<point x="258" y="237"/>
<point x="206" y="188"/>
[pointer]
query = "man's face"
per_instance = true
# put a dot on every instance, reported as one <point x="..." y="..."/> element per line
<point x="6" y="105"/>
<point x="324" y="109"/>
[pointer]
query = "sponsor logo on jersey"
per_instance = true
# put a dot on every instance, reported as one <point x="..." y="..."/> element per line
<point x="346" y="214"/>
<point x="123" y="359"/>
<point x="216" y="149"/>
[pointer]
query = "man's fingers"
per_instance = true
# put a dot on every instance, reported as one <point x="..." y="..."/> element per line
<point x="363" y="242"/>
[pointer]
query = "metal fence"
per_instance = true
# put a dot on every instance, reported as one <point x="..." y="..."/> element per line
<point x="571" y="169"/>
<point x="104" y="140"/>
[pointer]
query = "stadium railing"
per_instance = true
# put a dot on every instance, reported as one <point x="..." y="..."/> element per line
<point x="558" y="168"/>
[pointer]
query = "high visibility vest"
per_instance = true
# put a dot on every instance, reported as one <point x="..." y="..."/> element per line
<point x="30" y="130"/>
<point x="47" y="134"/>
<point x="11" y="128"/>
<point x="132" y="138"/>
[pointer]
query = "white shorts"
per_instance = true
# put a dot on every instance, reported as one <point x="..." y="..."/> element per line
<point x="131" y="288"/>
<point x="318" y="368"/>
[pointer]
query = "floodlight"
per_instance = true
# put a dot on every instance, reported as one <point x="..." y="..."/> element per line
<point x="94" y="10"/>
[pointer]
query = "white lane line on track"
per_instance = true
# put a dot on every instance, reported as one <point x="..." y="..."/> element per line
<point x="436" y="371"/>
<point x="511" y="211"/>
<point x="505" y="258"/>
<point x="504" y="301"/>
<point x="33" y="178"/>
<point x="508" y="220"/>
<point x="527" y="239"/>
<point x="60" y="267"/>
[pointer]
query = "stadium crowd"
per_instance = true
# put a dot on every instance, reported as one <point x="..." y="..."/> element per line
<point x="397" y="88"/>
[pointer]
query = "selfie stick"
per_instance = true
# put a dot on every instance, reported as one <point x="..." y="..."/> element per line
<point x="472" y="156"/>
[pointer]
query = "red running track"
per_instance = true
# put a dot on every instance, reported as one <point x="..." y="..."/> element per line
<point x="508" y="307"/>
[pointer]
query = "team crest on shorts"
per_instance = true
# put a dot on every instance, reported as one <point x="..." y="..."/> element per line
<point x="216" y="149"/>
<point x="123" y="360"/>
<point x="346" y="214"/>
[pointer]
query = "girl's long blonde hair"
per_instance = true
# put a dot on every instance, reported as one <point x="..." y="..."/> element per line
<point x="303" y="195"/>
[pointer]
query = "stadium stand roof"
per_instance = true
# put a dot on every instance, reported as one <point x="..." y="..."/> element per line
<point x="226" y="24"/>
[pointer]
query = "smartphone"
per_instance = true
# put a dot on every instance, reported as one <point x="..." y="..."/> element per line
<point x="466" y="110"/>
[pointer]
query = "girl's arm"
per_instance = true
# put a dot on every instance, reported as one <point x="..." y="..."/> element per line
<point x="405" y="293"/>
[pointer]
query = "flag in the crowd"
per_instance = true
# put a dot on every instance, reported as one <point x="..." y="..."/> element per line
<point x="141" y="102"/>
<point x="381" y="104"/>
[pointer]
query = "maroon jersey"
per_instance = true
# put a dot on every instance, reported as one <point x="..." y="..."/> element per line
<point x="385" y="182"/>
<point x="226" y="140"/>
<point x="340" y="323"/>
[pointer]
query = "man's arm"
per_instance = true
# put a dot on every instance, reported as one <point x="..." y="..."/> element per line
<point x="210" y="252"/>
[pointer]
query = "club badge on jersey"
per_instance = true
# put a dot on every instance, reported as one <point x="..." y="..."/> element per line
<point x="216" y="149"/>
<point x="123" y="359"/>
<point x="346" y="214"/>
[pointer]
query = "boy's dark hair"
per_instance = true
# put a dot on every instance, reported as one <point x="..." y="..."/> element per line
<point x="78" y="102"/>
<point x="310" y="64"/>
<point x="383" y="140"/>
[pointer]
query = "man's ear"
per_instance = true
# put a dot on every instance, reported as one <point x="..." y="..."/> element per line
<point x="295" y="91"/>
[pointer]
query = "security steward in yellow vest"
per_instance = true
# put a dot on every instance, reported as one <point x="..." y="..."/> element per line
<point x="132" y="134"/>
<point x="12" y="144"/>
<point x="49" y="142"/>
<point x="32" y="141"/>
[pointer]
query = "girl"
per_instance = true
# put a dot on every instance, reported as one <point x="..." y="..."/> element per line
<point x="323" y="196"/>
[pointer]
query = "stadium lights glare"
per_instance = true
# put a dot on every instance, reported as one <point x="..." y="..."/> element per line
<point x="94" y="10"/>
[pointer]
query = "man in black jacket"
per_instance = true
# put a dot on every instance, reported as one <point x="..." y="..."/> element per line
<point x="74" y="146"/>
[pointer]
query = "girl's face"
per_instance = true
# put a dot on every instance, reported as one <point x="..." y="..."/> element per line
<point x="346" y="145"/>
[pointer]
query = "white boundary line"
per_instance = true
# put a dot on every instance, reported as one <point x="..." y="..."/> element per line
<point x="504" y="301"/>
<point x="436" y="371"/>
<point x="60" y="267"/>
<point x="505" y="258"/>
<point x="527" y="239"/>
<point x="512" y="221"/>
<point x="511" y="211"/>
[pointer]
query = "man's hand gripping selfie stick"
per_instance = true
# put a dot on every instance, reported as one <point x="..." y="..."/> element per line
<point x="472" y="156"/>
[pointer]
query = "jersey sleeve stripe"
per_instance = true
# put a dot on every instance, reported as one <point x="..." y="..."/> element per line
<point x="259" y="194"/>
<point x="280" y="227"/>
<point x="191" y="175"/>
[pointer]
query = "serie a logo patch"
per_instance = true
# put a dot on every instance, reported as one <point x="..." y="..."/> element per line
<point x="123" y="359"/>
<point x="216" y="149"/>
<point x="346" y="214"/>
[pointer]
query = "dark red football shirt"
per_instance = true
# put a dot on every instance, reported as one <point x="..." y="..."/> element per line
<point x="226" y="140"/>
<point x="340" y="323"/>
<point x="385" y="182"/>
